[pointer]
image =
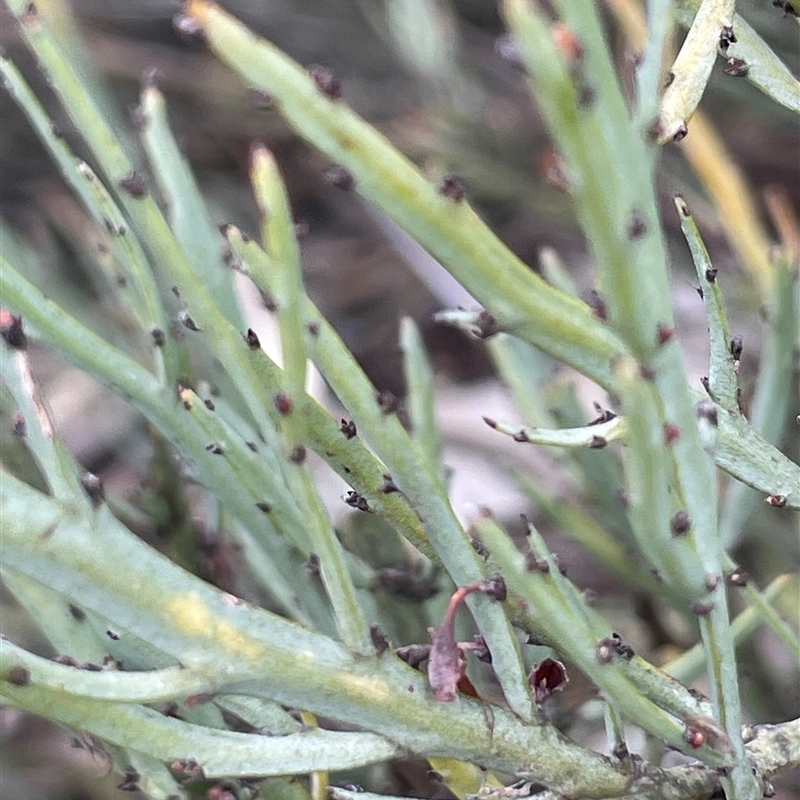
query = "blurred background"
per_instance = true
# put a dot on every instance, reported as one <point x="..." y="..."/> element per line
<point x="431" y="75"/>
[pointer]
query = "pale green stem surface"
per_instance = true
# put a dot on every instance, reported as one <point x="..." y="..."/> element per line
<point x="521" y="302"/>
<point x="588" y="436"/>
<point x="688" y="666"/>
<point x="722" y="380"/>
<point x="420" y="397"/>
<point x="544" y="608"/>
<point x="766" y="70"/>
<point x="411" y="473"/>
<point x="207" y="630"/>
<point x="650" y="71"/>
<point x="96" y="199"/>
<point x="692" y="67"/>
<point x="592" y="536"/>
<point x="280" y="242"/>
<point x="227" y="343"/>
<point x="770" y="405"/>
<point x="187" y="213"/>
<point x="220" y="753"/>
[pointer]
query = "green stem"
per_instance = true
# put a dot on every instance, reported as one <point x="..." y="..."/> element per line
<point x="420" y="396"/>
<point x="409" y="470"/>
<point x="520" y="301"/>
<point x="201" y="628"/>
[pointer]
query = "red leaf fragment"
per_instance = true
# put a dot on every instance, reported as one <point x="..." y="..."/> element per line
<point x="446" y="661"/>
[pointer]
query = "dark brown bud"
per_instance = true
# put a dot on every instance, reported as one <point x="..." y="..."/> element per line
<point x="586" y="97"/>
<point x="560" y="565"/>
<point x="664" y="333"/>
<point x="283" y="403"/>
<point x="535" y="564"/>
<point x="707" y="410"/>
<point x="481" y="650"/>
<point x="603" y="415"/>
<point x="312" y="565"/>
<point x="387" y="401"/>
<point x="598" y="305"/>
<point x="133" y="184"/>
<point x="479" y="547"/>
<point x="216" y="448"/>
<point x="11" y="330"/>
<point x="452" y="187"/>
<point x="671" y="433"/>
<point x="187" y="321"/>
<point x="262" y="505"/>
<point x="113" y="228"/>
<point x="251" y="337"/>
<point x="298" y="455"/>
<point x="379" y="640"/>
<point x="680" y="523"/>
<point x="355" y="500"/>
<point x="636" y="224"/>
<point x="340" y="177"/>
<point x="555" y="171"/>
<point x="348" y="428"/>
<point x="598" y="443"/>
<point x="129" y="782"/>
<point x="327" y="82"/>
<point x="159" y="337"/>
<point x="624" y="650"/>
<point x="389" y="486"/>
<point x="736" y="348"/>
<point x="712" y="581"/>
<point x="681" y="133"/>
<point x="486" y="325"/>
<point x="414" y="654"/>
<point x="727" y="37"/>
<point x="702" y="609"/>
<point x="313" y="329"/>
<point x="30" y="14"/>
<point x="19" y="676"/>
<point x="496" y="588"/>
<point x="188" y="767"/>
<point x="620" y="751"/>
<point x="269" y="302"/>
<point x="776" y="500"/>
<point x="737" y="68"/>
<point x="20" y="429"/>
